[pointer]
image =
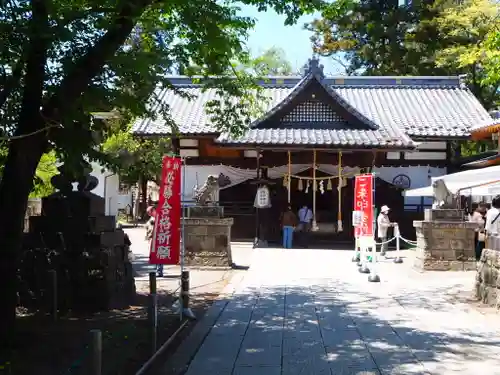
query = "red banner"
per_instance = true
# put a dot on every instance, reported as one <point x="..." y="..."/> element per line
<point x="363" y="201"/>
<point x="166" y="242"/>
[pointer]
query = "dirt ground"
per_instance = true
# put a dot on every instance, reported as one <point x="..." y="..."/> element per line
<point x="61" y="348"/>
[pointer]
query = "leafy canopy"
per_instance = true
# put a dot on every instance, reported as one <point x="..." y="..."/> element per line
<point x="132" y="156"/>
<point x="426" y="37"/>
<point x="77" y="56"/>
<point x="474" y="25"/>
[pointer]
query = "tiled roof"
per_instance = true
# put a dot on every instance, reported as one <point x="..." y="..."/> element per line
<point x="397" y="107"/>
<point x="491" y="125"/>
<point x="314" y="137"/>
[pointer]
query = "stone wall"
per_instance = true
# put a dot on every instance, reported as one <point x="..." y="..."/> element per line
<point x="488" y="277"/>
<point x="444" y="246"/>
<point x="208" y="242"/>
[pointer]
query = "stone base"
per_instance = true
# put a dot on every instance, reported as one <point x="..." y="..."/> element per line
<point x="443" y="214"/>
<point x="208" y="242"/>
<point x="487" y="285"/>
<point x="445" y="245"/>
<point x="205" y="211"/>
<point x="444" y="265"/>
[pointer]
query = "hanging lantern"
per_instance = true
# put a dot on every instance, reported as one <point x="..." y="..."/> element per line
<point x="307" y="186"/>
<point x="262" y="197"/>
<point x="322" y="187"/>
<point x="301" y="185"/>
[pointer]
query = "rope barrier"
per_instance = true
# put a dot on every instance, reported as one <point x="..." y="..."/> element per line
<point x="384" y="242"/>
<point x="410" y="242"/>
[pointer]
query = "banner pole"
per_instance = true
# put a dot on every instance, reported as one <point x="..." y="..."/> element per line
<point x="373" y="277"/>
<point x="183" y="216"/>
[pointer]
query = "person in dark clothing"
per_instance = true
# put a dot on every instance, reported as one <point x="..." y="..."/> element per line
<point x="288" y="223"/>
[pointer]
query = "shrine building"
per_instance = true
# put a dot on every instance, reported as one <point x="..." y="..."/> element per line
<point x="315" y="130"/>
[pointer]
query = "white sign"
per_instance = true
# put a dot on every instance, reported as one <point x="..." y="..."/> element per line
<point x="262" y="198"/>
<point x="357" y="218"/>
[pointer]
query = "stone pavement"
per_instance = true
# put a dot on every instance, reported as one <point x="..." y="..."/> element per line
<point x="203" y="282"/>
<point x="301" y="312"/>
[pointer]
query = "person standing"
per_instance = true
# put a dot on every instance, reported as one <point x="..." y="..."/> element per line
<point x="479" y="217"/>
<point x="305" y="218"/>
<point x="492" y="226"/>
<point x="288" y="223"/>
<point x="383" y="224"/>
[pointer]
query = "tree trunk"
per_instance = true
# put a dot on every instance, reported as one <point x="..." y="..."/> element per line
<point x="17" y="181"/>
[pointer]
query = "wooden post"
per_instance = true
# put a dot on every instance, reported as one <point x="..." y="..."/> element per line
<point x="339" y="188"/>
<point x="314" y="224"/>
<point x="152" y="282"/>
<point x="289" y="176"/>
<point x="96" y="352"/>
<point x="55" y="302"/>
<point x="257" y="219"/>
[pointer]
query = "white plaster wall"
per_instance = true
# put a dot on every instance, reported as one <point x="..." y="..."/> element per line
<point x="420" y="176"/>
<point x="111" y="182"/>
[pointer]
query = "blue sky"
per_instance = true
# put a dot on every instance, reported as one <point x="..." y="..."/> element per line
<point x="294" y="40"/>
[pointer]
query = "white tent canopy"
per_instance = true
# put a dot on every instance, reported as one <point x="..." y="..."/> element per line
<point x="467" y="182"/>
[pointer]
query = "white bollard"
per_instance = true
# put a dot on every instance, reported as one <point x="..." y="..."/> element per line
<point x="374" y="277"/>
<point x="357" y="255"/>
<point x="363" y="266"/>
<point x="398" y="258"/>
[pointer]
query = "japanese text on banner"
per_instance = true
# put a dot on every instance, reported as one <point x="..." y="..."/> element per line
<point x="363" y="202"/>
<point x="165" y="245"/>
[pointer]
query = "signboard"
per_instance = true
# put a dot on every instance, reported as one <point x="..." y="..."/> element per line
<point x="357" y="218"/>
<point x="165" y="244"/>
<point x="363" y="202"/>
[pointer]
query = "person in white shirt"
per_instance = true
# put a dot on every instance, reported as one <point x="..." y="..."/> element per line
<point x="492" y="225"/>
<point x="383" y="223"/>
<point x="478" y="217"/>
<point x="305" y="218"/>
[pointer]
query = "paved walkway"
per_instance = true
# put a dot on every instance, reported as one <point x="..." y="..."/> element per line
<point x="309" y="312"/>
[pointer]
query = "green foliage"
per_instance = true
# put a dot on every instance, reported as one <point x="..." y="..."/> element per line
<point x="428" y="37"/>
<point x="45" y="171"/>
<point x="108" y="55"/>
<point x="372" y="36"/>
<point x="132" y="157"/>
<point x="241" y="104"/>
<point x="272" y="62"/>
<point x="474" y="28"/>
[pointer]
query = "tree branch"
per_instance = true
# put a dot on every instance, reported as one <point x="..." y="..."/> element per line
<point x="89" y="65"/>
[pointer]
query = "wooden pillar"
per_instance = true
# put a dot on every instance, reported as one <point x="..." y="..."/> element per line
<point x="257" y="219"/>
<point x="314" y="224"/>
<point x="289" y="181"/>
<point x="176" y="146"/>
<point x="339" y="188"/>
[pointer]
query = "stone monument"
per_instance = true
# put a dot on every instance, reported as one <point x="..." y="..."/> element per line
<point x="207" y="232"/>
<point x="83" y="246"/>
<point x="445" y="241"/>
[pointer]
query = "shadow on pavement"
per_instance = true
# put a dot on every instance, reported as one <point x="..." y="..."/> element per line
<point x="336" y="328"/>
